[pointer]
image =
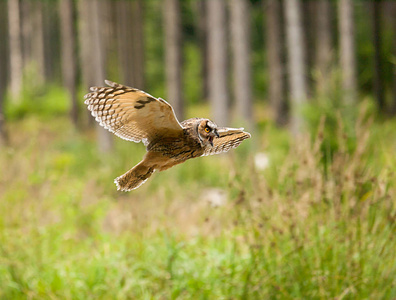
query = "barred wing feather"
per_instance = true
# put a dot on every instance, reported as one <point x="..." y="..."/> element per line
<point x="228" y="139"/>
<point x="132" y="114"/>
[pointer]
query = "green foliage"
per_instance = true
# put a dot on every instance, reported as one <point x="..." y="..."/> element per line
<point x="293" y="230"/>
<point x="45" y="101"/>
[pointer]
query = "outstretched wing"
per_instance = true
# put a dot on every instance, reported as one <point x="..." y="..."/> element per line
<point x="132" y="114"/>
<point x="228" y="139"/>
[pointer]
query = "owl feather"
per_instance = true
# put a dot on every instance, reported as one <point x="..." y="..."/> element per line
<point x="136" y="116"/>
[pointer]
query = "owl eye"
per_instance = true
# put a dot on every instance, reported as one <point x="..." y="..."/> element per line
<point x="207" y="129"/>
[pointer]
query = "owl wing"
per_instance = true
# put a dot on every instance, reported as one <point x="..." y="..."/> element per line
<point x="228" y="139"/>
<point x="132" y="114"/>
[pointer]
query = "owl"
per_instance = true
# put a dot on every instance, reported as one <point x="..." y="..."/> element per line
<point x="136" y="116"/>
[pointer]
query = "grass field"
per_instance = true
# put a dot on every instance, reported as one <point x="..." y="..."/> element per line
<point x="317" y="223"/>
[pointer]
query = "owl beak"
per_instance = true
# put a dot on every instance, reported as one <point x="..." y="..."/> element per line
<point x="217" y="134"/>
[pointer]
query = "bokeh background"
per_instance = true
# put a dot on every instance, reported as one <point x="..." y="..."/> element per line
<point x="305" y="209"/>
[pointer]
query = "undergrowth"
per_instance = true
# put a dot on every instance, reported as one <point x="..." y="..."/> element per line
<point x="313" y="224"/>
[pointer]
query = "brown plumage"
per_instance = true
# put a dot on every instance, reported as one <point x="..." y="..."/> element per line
<point x="137" y="116"/>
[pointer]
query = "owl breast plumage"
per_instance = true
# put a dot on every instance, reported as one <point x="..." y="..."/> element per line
<point x="136" y="116"/>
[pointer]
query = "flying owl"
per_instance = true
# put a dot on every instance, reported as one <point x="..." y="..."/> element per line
<point x="136" y="116"/>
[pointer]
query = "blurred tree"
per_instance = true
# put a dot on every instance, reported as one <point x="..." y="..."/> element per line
<point x="37" y="40"/>
<point x="276" y="66"/>
<point x="51" y="34"/>
<point x="173" y="55"/>
<point x="84" y="32"/>
<point x="296" y="66"/>
<point x="203" y="44"/>
<point x="3" y="68"/>
<point x="33" y="40"/>
<point x="129" y="20"/>
<point x="347" y="49"/>
<point x="26" y="33"/>
<point x="394" y="59"/>
<point x="84" y="35"/>
<point x="308" y="12"/>
<point x="378" y="65"/>
<point x="2" y="119"/>
<point x="138" y="45"/>
<point x="241" y="48"/>
<point x="16" y="61"/>
<point x="93" y="56"/>
<point x="324" y="44"/>
<point x="217" y="67"/>
<point x="68" y="54"/>
<point x="125" y="40"/>
<point x="98" y="56"/>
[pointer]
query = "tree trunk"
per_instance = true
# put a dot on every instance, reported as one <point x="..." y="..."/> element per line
<point x="51" y="49"/>
<point x="276" y="66"/>
<point x="38" y="56"/>
<point x="217" y="70"/>
<point x="125" y="41"/>
<point x="378" y="80"/>
<point x="296" y="65"/>
<point x="16" y="60"/>
<point x="173" y="55"/>
<point x="138" y="43"/>
<point x="3" y="68"/>
<point x="26" y="33"/>
<point x="105" y="138"/>
<point x="241" y="46"/>
<point x="85" y="32"/>
<point x="308" y="9"/>
<point x="3" y="137"/>
<point x="203" y="45"/>
<point x="93" y="57"/>
<point x="130" y="42"/>
<point x="347" y="49"/>
<point x="393" y="110"/>
<point x="68" y="54"/>
<point x="323" y="45"/>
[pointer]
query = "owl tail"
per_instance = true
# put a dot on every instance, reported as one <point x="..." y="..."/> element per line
<point x="134" y="178"/>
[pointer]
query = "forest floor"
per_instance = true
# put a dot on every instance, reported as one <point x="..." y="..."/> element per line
<point x="288" y="223"/>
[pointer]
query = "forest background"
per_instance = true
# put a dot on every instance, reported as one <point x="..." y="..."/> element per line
<point x="305" y="209"/>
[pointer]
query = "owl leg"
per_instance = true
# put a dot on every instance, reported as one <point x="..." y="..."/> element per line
<point x="135" y="177"/>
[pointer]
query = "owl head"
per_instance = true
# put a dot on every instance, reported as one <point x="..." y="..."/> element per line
<point x="207" y="131"/>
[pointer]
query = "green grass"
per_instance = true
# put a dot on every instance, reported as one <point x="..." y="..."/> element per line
<point x="311" y="226"/>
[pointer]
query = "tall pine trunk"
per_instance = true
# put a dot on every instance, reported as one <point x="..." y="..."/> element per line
<point x="3" y="68"/>
<point x="68" y="54"/>
<point x="296" y="63"/>
<point x="125" y="41"/>
<point x="393" y="110"/>
<point x="203" y="45"/>
<point x="92" y="30"/>
<point x="241" y="48"/>
<point x="138" y="45"/>
<point x="130" y="40"/>
<point x="98" y="56"/>
<point x="173" y="55"/>
<point x="323" y="45"/>
<point x="37" y="47"/>
<point x="276" y="66"/>
<point x="218" y="69"/>
<point x="378" y="65"/>
<point x="16" y="60"/>
<point x="347" y="49"/>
